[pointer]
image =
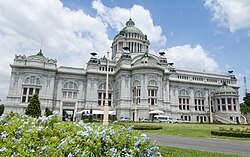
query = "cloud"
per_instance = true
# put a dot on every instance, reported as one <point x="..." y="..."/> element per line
<point x="68" y="35"/>
<point x="233" y="14"/>
<point x="117" y="17"/>
<point x="193" y="58"/>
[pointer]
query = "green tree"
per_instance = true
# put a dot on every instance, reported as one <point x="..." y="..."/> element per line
<point x="245" y="107"/>
<point x="1" y="109"/>
<point x="47" y="112"/>
<point x="34" y="109"/>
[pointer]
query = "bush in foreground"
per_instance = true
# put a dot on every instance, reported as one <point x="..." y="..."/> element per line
<point x="22" y="135"/>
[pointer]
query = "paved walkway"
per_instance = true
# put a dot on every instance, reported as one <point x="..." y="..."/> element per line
<point x="212" y="145"/>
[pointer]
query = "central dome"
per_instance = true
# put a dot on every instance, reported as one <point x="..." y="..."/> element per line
<point x="130" y="29"/>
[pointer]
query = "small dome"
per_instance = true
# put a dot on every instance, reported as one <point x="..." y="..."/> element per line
<point x="225" y="90"/>
<point x="38" y="56"/>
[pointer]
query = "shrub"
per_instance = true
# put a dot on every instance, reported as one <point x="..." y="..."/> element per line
<point x="34" y="108"/>
<point x="47" y="112"/>
<point x="147" y="127"/>
<point x="230" y="133"/>
<point x="22" y="135"/>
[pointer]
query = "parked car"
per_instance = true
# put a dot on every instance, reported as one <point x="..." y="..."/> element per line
<point x="124" y="119"/>
<point x="178" y="121"/>
<point x="143" y="119"/>
<point x="162" y="119"/>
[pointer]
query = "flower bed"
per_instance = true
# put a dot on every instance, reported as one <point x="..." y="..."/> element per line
<point x="48" y="136"/>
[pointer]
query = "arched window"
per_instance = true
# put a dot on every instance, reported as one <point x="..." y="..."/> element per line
<point x="102" y="94"/>
<point x="70" y="90"/>
<point x="152" y="92"/>
<point x="31" y="86"/>
<point x="199" y="101"/>
<point x="184" y="99"/>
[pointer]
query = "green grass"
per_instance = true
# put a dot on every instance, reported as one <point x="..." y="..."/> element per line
<point x="192" y="130"/>
<point x="180" y="152"/>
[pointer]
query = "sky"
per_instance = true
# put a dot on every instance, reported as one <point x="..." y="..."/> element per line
<point x="208" y="35"/>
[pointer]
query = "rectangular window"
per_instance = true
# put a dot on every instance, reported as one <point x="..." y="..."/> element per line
<point x="64" y="94"/>
<point x="99" y="95"/>
<point x="202" y="102"/>
<point x="203" y="108"/>
<point x="183" y="101"/>
<point x="195" y="101"/>
<point x="30" y="91"/>
<point x="234" y="107"/>
<point x="218" y="101"/>
<point x="37" y="90"/>
<point x="223" y="101"/>
<point x="99" y="102"/>
<point x="229" y="100"/>
<point x="234" y="101"/>
<point x="179" y="100"/>
<point x="74" y="95"/>
<point x="180" y="107"/>
<point x="199" y="101"/>
<point x="229" y="107"/>
<point x="223" y="107"/>
<point x="187" y="101"/>
<point x="70" y="95"/>
<point x="152" y="93"/>
<point x="218" y="108"/>
<point x="24" y="99"/>
<point x="195" y="108"/>
<point x="184" y="107"/>
<point x="148" y="92"/>
<point x="109" y="95"/>
<point x="24" y="91"/>
<point x="187" y="107"/>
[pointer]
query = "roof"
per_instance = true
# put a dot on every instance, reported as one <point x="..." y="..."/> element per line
<point x="225" y="89"/>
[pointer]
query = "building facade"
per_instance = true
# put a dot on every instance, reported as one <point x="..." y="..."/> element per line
<point x="140" y="85"/>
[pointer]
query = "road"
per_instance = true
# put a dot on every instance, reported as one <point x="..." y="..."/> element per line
<point x="212" y="145"/>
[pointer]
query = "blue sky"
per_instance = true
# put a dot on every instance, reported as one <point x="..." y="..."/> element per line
<point x="210" y="35"/>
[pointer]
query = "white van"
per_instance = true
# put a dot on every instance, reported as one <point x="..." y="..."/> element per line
<point x="162" y="119"/>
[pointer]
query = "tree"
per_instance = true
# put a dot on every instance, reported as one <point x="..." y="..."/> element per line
<point x="1" y="109"/>
<point x="34" y="108"/>
<point x="245" y="107"/>
<point x="47" y="112"/>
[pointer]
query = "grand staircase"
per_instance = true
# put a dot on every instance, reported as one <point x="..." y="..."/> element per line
<point x="218" y="118"/>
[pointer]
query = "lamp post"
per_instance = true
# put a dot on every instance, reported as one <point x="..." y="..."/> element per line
<point x="136" y="107"/>
<point x="106" y="104"/>
<point x="210" y="108"/>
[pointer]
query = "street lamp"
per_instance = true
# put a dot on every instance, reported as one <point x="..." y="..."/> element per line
<point x="210" y="108"/>
<point x="106" y="104"/>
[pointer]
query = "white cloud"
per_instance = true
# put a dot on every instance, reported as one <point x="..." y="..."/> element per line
<point x="116" y="17"/>
<point x="193" y="58"/>
<point x="234" y="14"/>
<point x="68" y="35"/>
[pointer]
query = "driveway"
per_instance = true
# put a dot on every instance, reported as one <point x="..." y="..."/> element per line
<point x="212" y="145"/>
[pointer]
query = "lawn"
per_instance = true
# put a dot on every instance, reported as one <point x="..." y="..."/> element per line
<point x="192" y="130"/>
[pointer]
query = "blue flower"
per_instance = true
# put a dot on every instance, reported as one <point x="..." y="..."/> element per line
<point x="70" y="155"/>
<point x="3" y="149"/>
<point x="137" y="143"/>
<point x="84" y="134"/>
<point x="13" y="139"/>
<point x="4" y="134"/>
<point x="6" y="124"/>
<point x="18" y="133"/>
<point x="129" y="129"/>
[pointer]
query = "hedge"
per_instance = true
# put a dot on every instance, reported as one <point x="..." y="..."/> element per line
<point x="230" y="134"/>
<point x="146" y="127"/>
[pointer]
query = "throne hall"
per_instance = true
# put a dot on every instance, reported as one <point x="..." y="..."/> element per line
<point x="140" y="85"/>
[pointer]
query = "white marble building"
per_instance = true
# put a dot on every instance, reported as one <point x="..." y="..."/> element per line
<point x="138" y="81"/>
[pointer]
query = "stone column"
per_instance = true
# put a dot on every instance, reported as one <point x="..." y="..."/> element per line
<point x="61" y="109"/>
<point x="226" y="103"/>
